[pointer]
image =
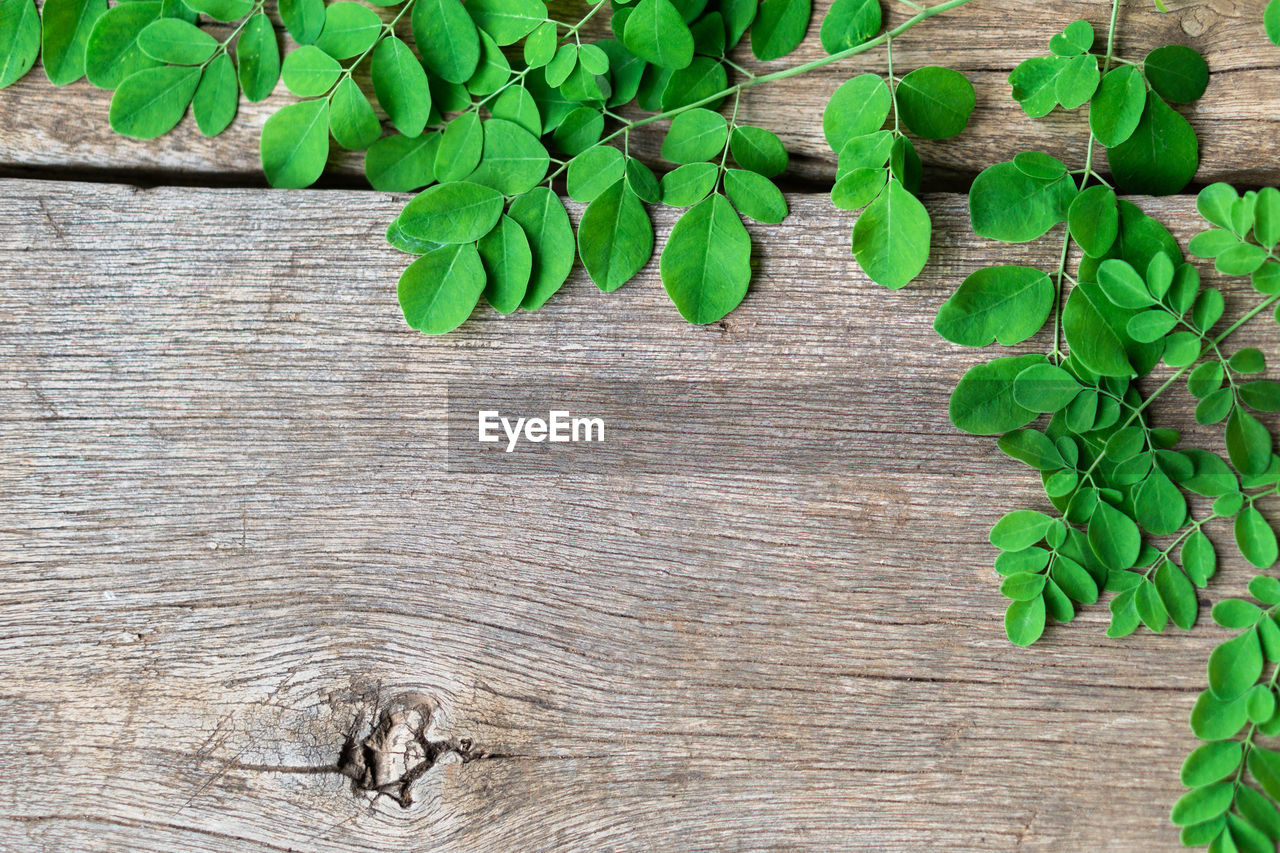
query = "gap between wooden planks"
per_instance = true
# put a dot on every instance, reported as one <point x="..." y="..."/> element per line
<point x="64" y="131"/>
<point x="229" y="545"/>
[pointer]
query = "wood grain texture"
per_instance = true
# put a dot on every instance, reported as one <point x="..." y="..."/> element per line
<point x="230" y="542"/>
<point x="1238" y="120"/>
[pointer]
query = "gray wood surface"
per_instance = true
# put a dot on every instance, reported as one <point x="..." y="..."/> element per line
<point x="234" y="565"/>
<point x="1238" y="121"/>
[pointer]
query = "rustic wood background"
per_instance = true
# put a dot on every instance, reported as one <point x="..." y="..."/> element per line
<point x="246" y="608"/>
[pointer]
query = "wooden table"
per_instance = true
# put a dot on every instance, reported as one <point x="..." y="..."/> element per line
<point x="241" y="589"/>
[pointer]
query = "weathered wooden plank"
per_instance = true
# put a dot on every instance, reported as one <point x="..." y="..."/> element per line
<point x="1236" y="121"/>
<point x="230" y="541"/>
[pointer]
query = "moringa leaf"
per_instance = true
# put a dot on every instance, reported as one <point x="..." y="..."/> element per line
<point x="295" y="144"/>
<point x="1005" y="303"/>
<point x="446" y="37"/>
<point x="935" y="102"/>
<point x="149" y="103"/>
<point x="779" y="27"/>
<point x="439" y="290"/>
<point x="891" y="237"/>
<point x="848" y="23"/>
<point x="706" y="264"/>
<point x="400" y="84"/>
<point x="64" y="27"/>
<point x="1161" y="155"/>
<point x="217" y="97"/>
<point x="615" y="237"/>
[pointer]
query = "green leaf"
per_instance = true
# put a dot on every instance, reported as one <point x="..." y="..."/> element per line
<point x="1025" y="560"/>
<point x="1211" y="762"/>
<point x="1162" y="154"/>
<point x="561" y="65"/>
<point x="456" y="212"/>
<point x="1177" y="73"/>
<point x="1266" y="217"/>
<point x="755" y="196"/>
<point x="702" y="78"/>
<point x="508" y="265"/>
<point x="515" y="104"/>
<point x="514" y="160"/>
<point x="350" y="29"/>
<point x="738" y="15"/>
<point x="493" y="71"/>
<point x="1007" y="303"/>
<point x="295" y="144"/>
<point x="779" y="27"/>
<point x="112" y="53"/>
<point x="1020" y="529"/>
<point x="1264" y="766"/>
<point x="758" y="150"/>
<point x="1038" y="164"/>
<point x="304" y="19"/>
<point x="1094" y="332"/>
<point x="461" y="148"/>
<point x="309" y="71"/>
<point x="1034" y="84"/>
<point x="1214" y="719"/>
<point x="1262" y="703"/>
<point x="1177" y="595"/>
<point x="1045" y="388"/>
<point x="149" y="103"/>
<point x="1077" y="81"/>
<point x="217" y="97"/>
<point x="401" y="86"/>
<point x="1271" y="21"/>
<point x="643" y="182"/>
<point x="1151" y="610"/>
<point x="1074" y="580"/>
<point x="175" y="41"/>
<point x="1256" y="539"/>
<point x="1151" y="325"/>
<point x="689" y="184"/>
<point x="507" y="21"/>
<point x="1235" y="665"/>
<point x="848" y="23"/>
<point x="1007" y="204"/>
<point x="1022" y="586"/>
<point x="447" y="39"/>
<point x="439" y="290"/>
<point x="594" y="171"/>
<point x="615" y="237"/>
<point x="258" y="58"/>
<point x="579" y="131"/>
<point x="1024" y="621"/>
<point x="1248" y="360"/>
<point x="546" y="223"/>
<point x="1202" y="804"/>
<point x="1123" y="286"/>
<point x="858" y="187"/>
<point x="1114" y="537"/>
<point x="695" y="135"/>
<point x="935" y="102"/>
<point x="1117" y="106"/>
<point x="1094" y="220"/>
<point x="657" y="33"/>
<point x="1248" y="443"/>
<point x="540" y="47"/>
<point x="706" y="264"/>
<point x="1262" y="395"/>
<point x="402" y="163"/>
<point x="1032" y="447"/>
<point x="222" y="10"/>
<point x="983" y="403"/>
<point x="1198" y="558"/>
<point x="19" y="39"/>
<point x="66" y="28"/>
<point x="1259" y="811"/>
<point x="351" y="118"/>
<point x="859" y="107"/>
<point x="891" y="237"/>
